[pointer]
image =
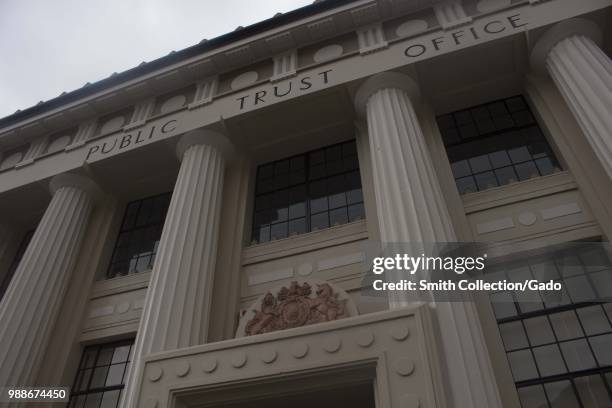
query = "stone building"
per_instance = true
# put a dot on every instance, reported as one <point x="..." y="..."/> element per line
<point x="193" y="231"/>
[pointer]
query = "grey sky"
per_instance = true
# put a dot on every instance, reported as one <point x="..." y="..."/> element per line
<point x="51" y="46"/>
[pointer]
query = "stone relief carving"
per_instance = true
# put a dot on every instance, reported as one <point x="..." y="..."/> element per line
<point x="295" y="305"/>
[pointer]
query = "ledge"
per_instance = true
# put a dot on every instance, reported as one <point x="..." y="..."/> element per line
<point x="520" y="191"/>
<point x="128" y="283"/>
<point x="397" y="346"/>
<point x="311" y="241"/>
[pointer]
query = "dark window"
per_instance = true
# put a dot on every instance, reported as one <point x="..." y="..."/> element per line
<point x="495" y="144"/>
<point x="139" y="235"/>
<point x="101" y="376"/>
<point x="6" y="278"/>
<point x="560" y="347"/>
<point x="309" y="192"/>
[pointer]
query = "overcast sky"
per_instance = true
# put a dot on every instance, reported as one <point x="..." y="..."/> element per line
<point x="51" y="46"/>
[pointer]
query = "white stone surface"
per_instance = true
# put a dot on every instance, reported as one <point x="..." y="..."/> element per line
<point x="32" y="301"/>
<point x="411" y="208"/>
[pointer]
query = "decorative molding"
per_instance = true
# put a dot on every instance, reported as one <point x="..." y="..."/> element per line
<point x="411" y="27"/>
<point x="85" y="131"/>
<point x="258" y="278"/>
<point x="322" y="28"/>
<point x="371" y="39"/>
<point x="302" y="303"/>
<point x="205" y="92"/>
<point x="245" y="79"/>
<point x="284" y="66"/>
<point x="560" y="211"/>
<point x="495" y="225"/>
<point x="366" y="14"/>
<point x="339" y="261"/>
<point x="328" y="53"/>
<point x="37" y="148"/>
<point x="451" y="14"/>
<point x="142" y="111"/>
<point x="301" y="353"/>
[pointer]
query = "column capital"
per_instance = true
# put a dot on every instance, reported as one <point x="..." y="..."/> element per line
<point x="559" y="32"/>
<point x="206" y="137"/>
<point x="385" y="80"/>
<point x="77" y="181"/>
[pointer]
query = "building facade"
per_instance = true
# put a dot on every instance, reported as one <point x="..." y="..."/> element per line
<point x="196" y="231"/>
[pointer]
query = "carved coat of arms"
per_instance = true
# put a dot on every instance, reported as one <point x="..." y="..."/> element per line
<point x="296" y="306"/>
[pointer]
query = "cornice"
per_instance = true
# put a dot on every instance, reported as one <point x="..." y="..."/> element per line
<point x="244" y="46"/>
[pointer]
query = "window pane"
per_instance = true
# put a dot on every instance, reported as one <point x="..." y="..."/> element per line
<point x="466" y="185"/>
<point x="337" y="200"/>
<point x="297" y="226"/>
<point x="577" y="355"/>
<point x="278" y="231"/>
<point x="603" y="283"/>
<point x="297" y="210"/>
<point x="513" y="335"/>
<point x="592" y="392"/>
<point x="115" y="374"/>
<point x="566" y="325"/>
<point x="93" y="400"/>
<point x="503" y="305"/>
<point x="539" y="331"/>
<point x="602" y="347"/>
<point x="526" y="170"/>
<point x="338" y="216"/>
<point x="461" y="169"/>
<point x="506" y="175"/>
<point x="110" y="399"/>
<point x="486" y="180"/>
<point x="99" y="377"/>
<point x="354" y="196"/>
<point x="561" y="395"/>
<point x="319" y="221"/>
<point x="356" y="212"/>
<point x="580" y="290"/>
<point x="532" y="397"/>
<point x="594" y="320"/>
<point x="522" y="365"/>
<point x="105" y="356"/>
<point x="317" y="205"/>
<point x="549" y="360"/>
<point x="480" y="163"/>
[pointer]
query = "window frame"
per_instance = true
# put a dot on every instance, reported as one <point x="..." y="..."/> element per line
<point x="253" y="233"/>
<point x="503" y="174"/>
<point x="109" y="274"/>
<point x="74" y="394"/>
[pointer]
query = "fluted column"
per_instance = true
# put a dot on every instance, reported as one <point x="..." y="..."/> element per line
<point x="411" y="209"/>
<point x="5" y="242"/>
<point x="30" y="306"/>
<point x="177" y="306"/>
<point x="569" y="52"/>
